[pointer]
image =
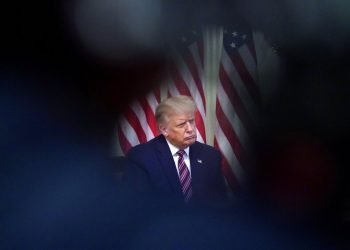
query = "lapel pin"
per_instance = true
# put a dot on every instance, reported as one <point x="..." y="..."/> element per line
<point x="199" y="161"/>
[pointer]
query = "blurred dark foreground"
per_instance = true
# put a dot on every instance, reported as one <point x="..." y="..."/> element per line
<point x="60" y="187"/>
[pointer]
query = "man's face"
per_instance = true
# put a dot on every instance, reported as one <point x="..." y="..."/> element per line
<point x="180" y="129"/>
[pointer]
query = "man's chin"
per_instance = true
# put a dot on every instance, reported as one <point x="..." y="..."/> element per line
<point x="191" y="140"/>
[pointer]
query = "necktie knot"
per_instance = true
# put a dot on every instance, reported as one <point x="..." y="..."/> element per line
<point x="181" y="152"/>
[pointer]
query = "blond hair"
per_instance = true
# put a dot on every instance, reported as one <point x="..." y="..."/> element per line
<point x="174" y="105"/>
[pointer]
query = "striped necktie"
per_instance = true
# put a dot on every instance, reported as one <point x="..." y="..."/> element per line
<point x="185" y="176"/>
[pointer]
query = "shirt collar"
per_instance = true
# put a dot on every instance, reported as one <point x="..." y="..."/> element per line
<point x="174" y="149"/>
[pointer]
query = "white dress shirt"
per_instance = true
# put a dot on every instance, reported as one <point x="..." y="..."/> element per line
<point x="174" y="151"/>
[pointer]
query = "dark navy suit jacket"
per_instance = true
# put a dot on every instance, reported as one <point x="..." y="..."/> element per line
<point x="151" y="168"/>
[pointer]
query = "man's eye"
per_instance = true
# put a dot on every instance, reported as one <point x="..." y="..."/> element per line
<point x="181" y="125"/>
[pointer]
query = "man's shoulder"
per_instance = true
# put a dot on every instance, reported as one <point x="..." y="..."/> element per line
<point x="146" y="146"/>
<point x="202" y="146"/>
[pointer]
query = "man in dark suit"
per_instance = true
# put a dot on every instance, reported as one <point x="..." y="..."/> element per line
<point x="174" y="165"/>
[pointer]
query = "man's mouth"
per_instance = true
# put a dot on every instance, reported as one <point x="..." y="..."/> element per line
<point x="190" y="137"/>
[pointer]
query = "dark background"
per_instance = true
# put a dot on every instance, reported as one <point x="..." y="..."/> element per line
<point x="60" y="100"/>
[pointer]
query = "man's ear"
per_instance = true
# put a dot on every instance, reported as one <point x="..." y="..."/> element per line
<point x="163" y="129"/>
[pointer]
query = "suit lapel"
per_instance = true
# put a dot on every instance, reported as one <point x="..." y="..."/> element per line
<point x="167" y="164"/>
<point x="195" y="159"/>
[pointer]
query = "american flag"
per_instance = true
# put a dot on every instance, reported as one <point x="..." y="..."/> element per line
<point x="137" y="124"/>
<point x="237" y="103"/>
<point x="186" y="75"/>
<point x="237" y="99"/>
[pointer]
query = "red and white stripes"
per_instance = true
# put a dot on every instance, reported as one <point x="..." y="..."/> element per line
<point x="186" y="76"/>
<point x="137" y="124"/>
<point x="236" y="104"/>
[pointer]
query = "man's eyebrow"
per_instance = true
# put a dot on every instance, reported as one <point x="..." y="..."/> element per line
<point x="181" y="122"/>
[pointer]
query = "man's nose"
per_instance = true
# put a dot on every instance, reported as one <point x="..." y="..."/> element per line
<point x="189" y="126"/>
